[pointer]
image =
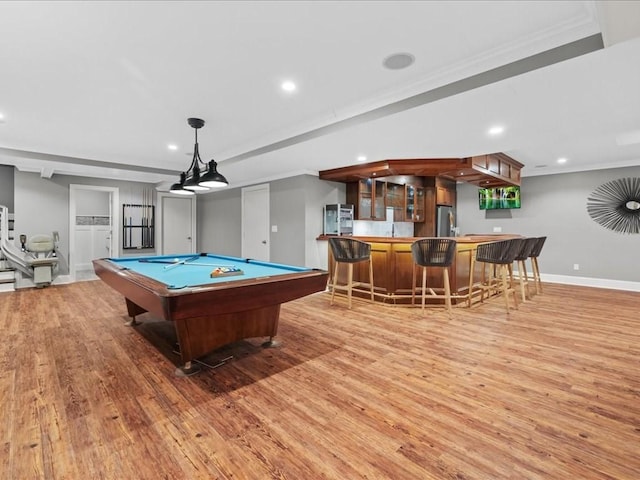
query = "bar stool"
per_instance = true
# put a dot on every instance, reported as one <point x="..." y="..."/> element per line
<point x="523" y="279"/>
<point x="499" y="254"/>
<point x="535" y="253"/>
<point x="349" y="251"/>
<point x="433" y="252"/>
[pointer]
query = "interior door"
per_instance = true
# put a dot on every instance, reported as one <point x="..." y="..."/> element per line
<point x="92" y="241"/>
<point x="255" y="222"/>
<point x="178" y="225"/>
<point x="93" y="213"/>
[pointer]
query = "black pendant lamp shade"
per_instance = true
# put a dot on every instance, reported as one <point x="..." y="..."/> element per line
<point x="178" y="188"/>
<point x="191" y="181"/>
<point x="213" y="178"/>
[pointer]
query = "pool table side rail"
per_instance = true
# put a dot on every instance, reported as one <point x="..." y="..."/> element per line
<point x="142" y="293"/>
<point x="219" y="298"/>
<point x="246" y="295"/>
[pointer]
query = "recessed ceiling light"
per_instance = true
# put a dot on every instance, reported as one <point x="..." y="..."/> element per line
<point x="2" y="120"/>
<point x="562" y="160"/>
<point x="362" y="158"/>
<point x="398" y="61"/>
<point x="172" y="147"/>
<point x="496" y="130"/>
<point x="288" y="86"/>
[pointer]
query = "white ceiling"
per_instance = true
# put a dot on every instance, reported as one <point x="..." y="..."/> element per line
<point x="101" y="88"/>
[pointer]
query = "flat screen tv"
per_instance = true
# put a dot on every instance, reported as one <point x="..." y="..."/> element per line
<point x="499" y="198"/>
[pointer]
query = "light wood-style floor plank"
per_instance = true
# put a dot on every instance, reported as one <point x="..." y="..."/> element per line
<point x="550" y="391"/>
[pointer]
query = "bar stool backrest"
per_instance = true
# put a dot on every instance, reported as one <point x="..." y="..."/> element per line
<point x="502" y="252"/>
<point x="433" y="252"/>
<point x="349" y="250"/>
<point x="527" y="247"/>
<point x="535" y="252"/>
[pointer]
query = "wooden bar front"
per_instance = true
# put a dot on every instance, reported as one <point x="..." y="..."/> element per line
<point x="393" y="267"/>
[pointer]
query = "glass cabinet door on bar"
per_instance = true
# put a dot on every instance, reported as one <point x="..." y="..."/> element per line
<point x="414" y="211"/>
<point x="379" y="203"/>
<point x="371" y="199"/>
<point x="395" y="202"/>
<point x="365" y="200"/>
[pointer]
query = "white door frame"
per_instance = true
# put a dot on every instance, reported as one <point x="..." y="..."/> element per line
<point x="160" y="223"/>
<point x="115" y="221"/>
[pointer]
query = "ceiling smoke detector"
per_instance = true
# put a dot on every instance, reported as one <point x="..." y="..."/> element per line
<point x="398" y="61"/>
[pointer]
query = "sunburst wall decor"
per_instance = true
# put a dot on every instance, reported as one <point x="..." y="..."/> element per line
<point x="616" y="205"/>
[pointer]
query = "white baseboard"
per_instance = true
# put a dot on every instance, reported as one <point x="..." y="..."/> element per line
<point x="27" y="282"/>
<point x="591" y="282"/>
<point x="61" y="279"/>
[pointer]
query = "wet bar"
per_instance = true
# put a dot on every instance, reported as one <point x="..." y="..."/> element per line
<point x="393" y="267"/>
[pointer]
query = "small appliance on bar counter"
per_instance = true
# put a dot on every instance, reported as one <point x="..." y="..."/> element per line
<point x="338" y="219"/>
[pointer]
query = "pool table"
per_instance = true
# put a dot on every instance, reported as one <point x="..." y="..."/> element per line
<point x="208" y="311"/>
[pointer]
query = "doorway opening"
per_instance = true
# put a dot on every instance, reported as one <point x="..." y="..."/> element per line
<point x="93" y="232"/>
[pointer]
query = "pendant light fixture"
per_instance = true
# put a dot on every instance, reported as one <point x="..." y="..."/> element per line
<point x="191" y="181"/>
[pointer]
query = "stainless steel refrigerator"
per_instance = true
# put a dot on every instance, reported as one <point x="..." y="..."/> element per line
<point x="445" y="221"/>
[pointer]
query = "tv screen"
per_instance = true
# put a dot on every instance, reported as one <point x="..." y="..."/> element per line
<point x="499" y="197"/>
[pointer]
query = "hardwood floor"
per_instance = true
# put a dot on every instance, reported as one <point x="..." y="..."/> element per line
<point x="551" y="391"/>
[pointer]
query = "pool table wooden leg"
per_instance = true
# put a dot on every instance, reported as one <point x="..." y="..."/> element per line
<point x="272" y="342"/>
<point x="133" y="322"/>
<point x="187" y="369"/>
<point x="134" y="309"/>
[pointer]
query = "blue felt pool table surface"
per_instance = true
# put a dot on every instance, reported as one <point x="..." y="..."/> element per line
<point x="192" y="270"/>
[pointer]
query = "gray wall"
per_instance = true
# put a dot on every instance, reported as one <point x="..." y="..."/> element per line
<point x="296" y="202"/>
<point x="295" y="207"/>
<point x="555" y="206"/>
<point x="552" y="205"/>
<point x="41" y="207"/>
<point x="319" y="193"/>
<point x="42" y="204"/>
<point x="287" y="211"/>
<point x="218" y="222"/>
<point x="6" y="186"/>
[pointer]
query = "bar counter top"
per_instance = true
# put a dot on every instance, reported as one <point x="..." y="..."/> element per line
<point x="480" y="238"/>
